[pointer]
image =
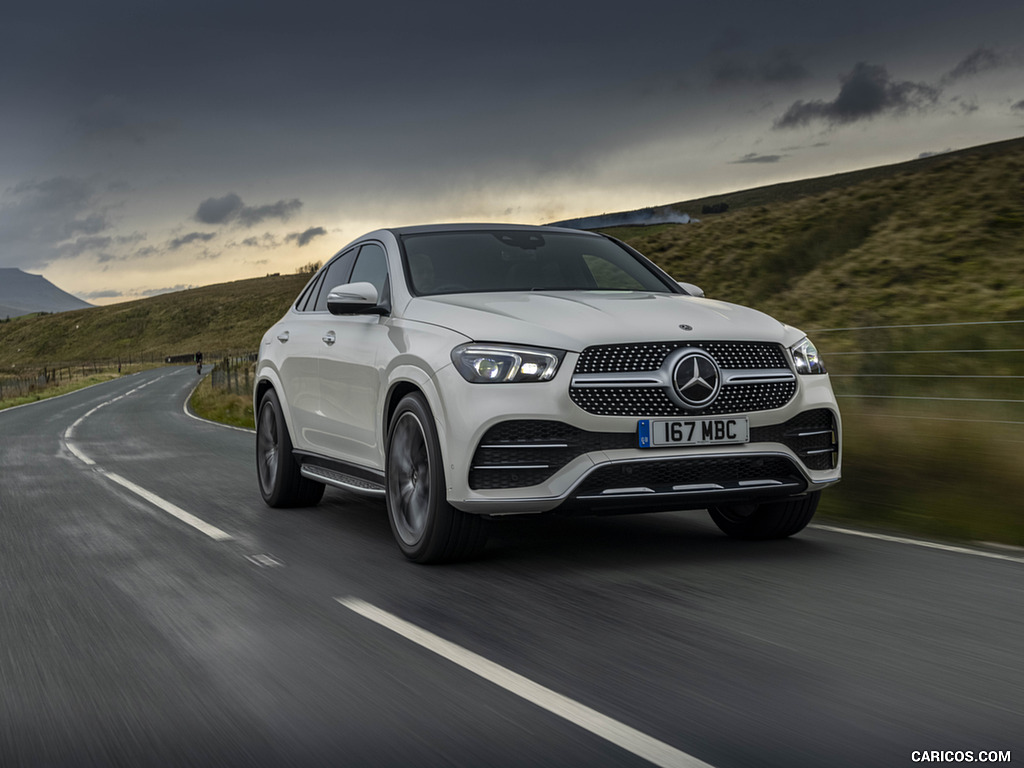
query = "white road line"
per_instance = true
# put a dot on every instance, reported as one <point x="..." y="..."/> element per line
<point x="172" y="509"/>
<point x="920" y="543"/>
<point x="630" y="739"/>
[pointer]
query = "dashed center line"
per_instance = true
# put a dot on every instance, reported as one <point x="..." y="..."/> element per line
<point x="174" y="510"/>
<point x="638" y="743"/>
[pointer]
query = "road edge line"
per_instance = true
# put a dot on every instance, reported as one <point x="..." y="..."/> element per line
<point x="923" y="543"/>
<point x="192" y="415"/>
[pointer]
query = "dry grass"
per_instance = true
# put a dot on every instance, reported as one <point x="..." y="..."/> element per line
<point x="941" y="479"/>
<point x="221" y="405"/>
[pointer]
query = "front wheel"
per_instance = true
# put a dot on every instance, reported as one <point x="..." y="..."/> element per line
<point x="281" y="482"/>
<point x="427" y="528"/>
<point x="772" y="520"/>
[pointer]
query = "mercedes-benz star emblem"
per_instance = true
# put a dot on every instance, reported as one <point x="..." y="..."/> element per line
<point x="685" y="327"/>
<point x="697" y="379"/>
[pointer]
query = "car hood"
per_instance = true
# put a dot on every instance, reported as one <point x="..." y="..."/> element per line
<point x="574" y="320"/>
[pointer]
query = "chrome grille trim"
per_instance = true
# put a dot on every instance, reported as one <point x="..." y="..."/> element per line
<point x="649" y="356"/>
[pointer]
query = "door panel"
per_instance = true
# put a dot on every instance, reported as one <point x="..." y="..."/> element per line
<point x="350" y="371"/>
<point x="298" y="338"/>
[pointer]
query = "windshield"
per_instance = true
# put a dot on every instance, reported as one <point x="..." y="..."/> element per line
<point x="522" y="260"/>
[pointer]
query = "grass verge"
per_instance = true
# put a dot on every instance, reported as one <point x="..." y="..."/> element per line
<point x="73" y="385"/>
<point x="222" y="406"/>
<point x="960" y="481"/>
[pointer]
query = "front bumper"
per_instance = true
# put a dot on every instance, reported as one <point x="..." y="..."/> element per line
<point x="611" y="472"/>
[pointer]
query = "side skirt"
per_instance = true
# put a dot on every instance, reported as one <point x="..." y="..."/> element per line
<point x="351" y="477"/>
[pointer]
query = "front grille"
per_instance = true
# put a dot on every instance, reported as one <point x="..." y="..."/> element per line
<point x="664" y="476"/>
<point x="619" y="358"/>
<point x="637" y="400"/>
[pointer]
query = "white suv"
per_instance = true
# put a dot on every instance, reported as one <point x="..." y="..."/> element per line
<point x="470" y="371"/>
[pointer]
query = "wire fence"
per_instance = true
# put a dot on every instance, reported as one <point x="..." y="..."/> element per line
<point x="235" y="374"/>
<point x="34" y="380"/>
<point x="966" y="372"/>
<point x="21" y="383"/>
<point x="969" y="371"/>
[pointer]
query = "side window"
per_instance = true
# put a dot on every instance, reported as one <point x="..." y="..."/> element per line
<point x="335" y="274"/>
<point x="306" y="301"/>
<point x="372" y="267"/>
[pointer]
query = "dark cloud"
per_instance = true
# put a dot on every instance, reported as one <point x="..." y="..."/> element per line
<point x="755" y="158"/>
<point x="218" y="210"/>
<point x="304" y="238"/>
<point x="107" y="294"/>
<point x="1019" y="106"/>
<point x="90" y="225"/>
<point x="979" y="61"/>
<point x="107" y="119"/>
<point x="191" y="237"/>
<point x="266" y="240"/>
<point x="865" y="93"/>
<point x="84" y="244"/>
<point x="38" y="217"/>
<point x="250" y="216"/>
<point x="221" y="210"/>
<point x="965" y="106"/>
<point x="779" y="67"/>
<point x="60" y="194"/>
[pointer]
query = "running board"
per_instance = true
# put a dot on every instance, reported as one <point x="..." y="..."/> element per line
<point x="342" y="480"/>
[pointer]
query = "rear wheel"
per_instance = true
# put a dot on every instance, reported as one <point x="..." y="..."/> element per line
<point x="427" y="528"/>
<point x="773" y="520"/>
<point x="281" y="483"/>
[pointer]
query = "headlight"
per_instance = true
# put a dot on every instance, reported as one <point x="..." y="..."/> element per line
<point x="497" y="363"/>
<point x="807" y="359"/>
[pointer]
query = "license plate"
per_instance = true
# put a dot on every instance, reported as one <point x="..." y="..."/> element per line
<point x="659" y="432"/>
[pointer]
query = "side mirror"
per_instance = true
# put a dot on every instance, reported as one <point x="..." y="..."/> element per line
<point x="691" y="289"/>
<point x="353" y="299"/>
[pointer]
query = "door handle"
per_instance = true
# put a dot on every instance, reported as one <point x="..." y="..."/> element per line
<point x="283" y="337"/>
<point x="328" y="338"/>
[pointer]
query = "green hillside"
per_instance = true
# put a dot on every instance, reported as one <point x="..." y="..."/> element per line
<point x="220" y="318"/>
<point x="933" y="240"/>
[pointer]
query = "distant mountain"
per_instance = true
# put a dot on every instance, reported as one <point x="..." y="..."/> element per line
<point x="23" y="294"/>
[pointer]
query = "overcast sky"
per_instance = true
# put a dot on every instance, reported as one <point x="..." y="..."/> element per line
<point x="147" y="145"/>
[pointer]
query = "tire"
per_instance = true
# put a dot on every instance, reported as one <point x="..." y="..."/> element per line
<point x="425" y="526"/>
<point x="773" y="520"/>
<point x="281" y="483"/>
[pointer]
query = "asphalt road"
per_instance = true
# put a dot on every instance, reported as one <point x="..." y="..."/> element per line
<point x="130" y="634"/>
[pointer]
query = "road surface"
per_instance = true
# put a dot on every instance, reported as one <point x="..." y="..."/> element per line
<point x="155" y="612"/>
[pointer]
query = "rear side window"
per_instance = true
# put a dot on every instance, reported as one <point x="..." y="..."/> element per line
<point x="306" y="301"/>
<point x="336" y="273"/>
